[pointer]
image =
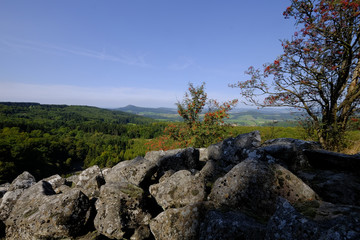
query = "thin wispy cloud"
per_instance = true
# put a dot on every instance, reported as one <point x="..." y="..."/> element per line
<point x="182" y="64"/>
<point x="19" y="45"/>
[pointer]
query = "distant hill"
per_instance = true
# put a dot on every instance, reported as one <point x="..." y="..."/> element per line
<point x="239" y="116"/>
<point x="15" y="113"/>
<point x="161" y="113"/>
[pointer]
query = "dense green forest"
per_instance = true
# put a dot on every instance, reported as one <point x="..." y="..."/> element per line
<point x="49" y="139"/>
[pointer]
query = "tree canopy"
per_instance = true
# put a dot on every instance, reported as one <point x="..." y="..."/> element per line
<point x="319" y="69"/>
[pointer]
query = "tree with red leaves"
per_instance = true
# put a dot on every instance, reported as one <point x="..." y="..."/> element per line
<point x="319" y="70"/>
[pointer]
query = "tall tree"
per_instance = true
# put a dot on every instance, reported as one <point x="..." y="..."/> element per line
<point x="319" y="70"/>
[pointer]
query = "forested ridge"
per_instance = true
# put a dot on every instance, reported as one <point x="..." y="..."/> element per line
<point x="49" y="139"/>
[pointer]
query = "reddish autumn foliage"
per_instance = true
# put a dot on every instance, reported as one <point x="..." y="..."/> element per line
<point x="319" y="69"/>
<point x="199" y="129"/>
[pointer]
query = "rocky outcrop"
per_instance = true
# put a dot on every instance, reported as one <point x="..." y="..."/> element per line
<point x="235" y="189"/>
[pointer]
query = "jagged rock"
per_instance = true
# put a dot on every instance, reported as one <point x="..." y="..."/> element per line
<point x="255" y="185"/>
<point x="40" y="213"/>
<point x="288" y="224"/>
<point x="90" y="180"/>
<point x="16" y="188"/>
<point x="178" y="159"/>
<point x="325" y="221"/>
<point x="248" y="186"/>
<point x="133" y="171"/>
<point x="334" y="187"/>
<point x="23" y="181"/>
<point x="289" y="151"/>
<point x="178" y="223"/>
<point x="119" y="211"/>
<point x="56" y="181"/>
<point x="230" y="225"/>
<point x="322" y="159"/>
<point x="226" y="153"/>
<point x="180" y="189"/>
<point x="290" y="187"/>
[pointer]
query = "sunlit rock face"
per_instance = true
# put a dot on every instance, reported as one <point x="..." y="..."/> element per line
<point x="235" y="189"/>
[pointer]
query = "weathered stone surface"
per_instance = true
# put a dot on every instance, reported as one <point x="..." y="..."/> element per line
<point x="230" y="225"/>
<point x="288" y="224"/>
<point x="324" y="221"/>
<point x="178" y="223"/>
<point x="16" y="188"/>
<point x="56" y="181"/>
<point x="290" y="187"/>
<point x="41" y="214"/>
<point x="178" y="159"/>
<point x="119" y="210"/>
<point x="246" y="186"/>
<point x="322" y="159"/>
<point x="227" y="152"/>
<point x="180" y="189"/>
<point x="133" y="171"/>
<point x="90" y="180"/>
<point x="23" y="181"/>
<point x="255" y="186"/>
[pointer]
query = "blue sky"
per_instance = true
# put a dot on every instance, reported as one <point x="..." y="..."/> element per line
<point x="118" y="52"/>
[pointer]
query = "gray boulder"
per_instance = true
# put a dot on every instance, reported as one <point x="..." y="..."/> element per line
<point x="178" y="159"/>
<point x="120" y="211"/>
<point x="14" y="191"/>
<point x="290" y="187"/>
<point x="254" y="186"/>
<point x="247" y="186"/>
<point x="40" y="213"/>
<point x="90" y="180"/>
<point x="178" y="223"/>
<point x="180" y="189"/>
<point x="228" y="152"/>
<point x="134" y="171"/>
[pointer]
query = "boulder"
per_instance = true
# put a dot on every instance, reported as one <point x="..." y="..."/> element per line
<point x="120" y="211"/>
<point x="90" y="180"/>
<point x="178" y="159"/>
<point x="230" y="225"/>
<point x="178" y="223"/>
<point x="254" y="186"/>
<point x="14" y="191"/>
<point x="56" y="182"/>
<point x="227" y="152"/>
<point x="290" y="187"/>
<point x="134" y="171"/>
<point x="180" y="189"/>
<point x="40" y="213"/>
<point x="246" y="186"/>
